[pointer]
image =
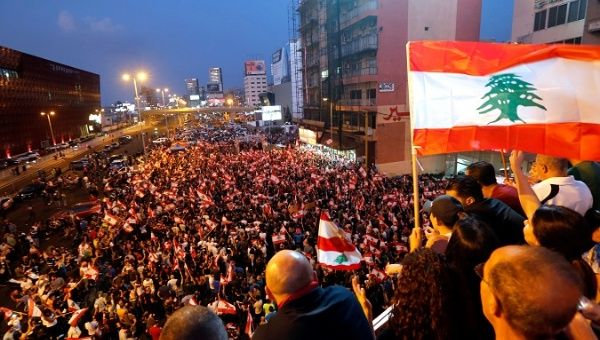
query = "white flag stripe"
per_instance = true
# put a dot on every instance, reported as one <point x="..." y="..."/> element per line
<point x="329" y="257"/>
<point x="568" y="89"/>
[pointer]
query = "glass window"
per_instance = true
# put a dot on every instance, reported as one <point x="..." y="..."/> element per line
<point x="573" y="11"/>
<point x="552" y="16"/>
<point x="561" y="16"/>
<point x="540" y="20"/>
<point x="582" y="9"/>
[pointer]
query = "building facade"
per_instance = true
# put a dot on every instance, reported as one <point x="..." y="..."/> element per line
<point x="287" y="80"/>
<point x="355" y="70"/>
<point x="30" y="85"/>
<point x="192" y="92"/>
<point x="214" y="87"/>
<point x="255" y="81"/>
<point x="556" y="21"/>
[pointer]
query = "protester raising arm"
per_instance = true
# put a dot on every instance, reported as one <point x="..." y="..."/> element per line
<point x="527" y="197"/>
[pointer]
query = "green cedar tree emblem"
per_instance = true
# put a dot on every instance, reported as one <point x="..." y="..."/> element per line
<point x="341" y="259"/>
<point x="507" y="92"/>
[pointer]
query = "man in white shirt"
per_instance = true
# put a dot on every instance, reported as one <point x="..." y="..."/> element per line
<point x="557" y="187"/>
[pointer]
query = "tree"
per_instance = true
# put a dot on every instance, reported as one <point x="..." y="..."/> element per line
<point x="507" y="92"/>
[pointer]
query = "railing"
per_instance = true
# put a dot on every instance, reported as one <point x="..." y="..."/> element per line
<point x="367" y="42"/>
<point x="358" y="102"/>
<point x="347" y="16"/>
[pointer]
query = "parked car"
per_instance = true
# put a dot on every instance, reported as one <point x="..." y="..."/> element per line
<point x="30" y="191"/>
<point x="125" y="139"/>
<point x="115" y="157"/>
<point x="118" y="164"/>
<point x="79" y="164"/>
<point x="115" y="145"/>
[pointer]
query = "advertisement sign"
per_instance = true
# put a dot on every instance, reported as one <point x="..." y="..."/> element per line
<point x="271" y="113"/>
<point x="386" y="87"/>
<point x="255" y="67"/>
<point x="307" y="136"/>
<point x="194" y="97"/>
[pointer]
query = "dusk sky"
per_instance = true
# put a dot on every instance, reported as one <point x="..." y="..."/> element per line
<point x="171" y="40"/>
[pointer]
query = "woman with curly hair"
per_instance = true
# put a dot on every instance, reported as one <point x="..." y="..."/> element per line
<point x="425" y="300"/>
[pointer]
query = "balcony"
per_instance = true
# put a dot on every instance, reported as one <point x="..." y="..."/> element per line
<point x="361" y="44"/>
<point x="358" y="13"/>
<point x="358" y="102"/>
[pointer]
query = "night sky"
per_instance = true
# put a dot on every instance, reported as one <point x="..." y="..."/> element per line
<point x="171" y="40"/>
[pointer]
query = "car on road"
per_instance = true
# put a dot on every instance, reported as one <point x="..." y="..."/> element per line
<point x="79" y="164"/>
<point x="125" y="139"/>
<point x="30" y="191"/>
<point x="160" y="141"/>
<point x="107" y="148"/>
<point x="115" y="145"/>
<point x="118" y="164"/>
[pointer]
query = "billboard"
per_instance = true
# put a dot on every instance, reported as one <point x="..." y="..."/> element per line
<point x="194" y="97"/>
<point x="279" y="66"/>
<point x="255" y="67"/>
<point x="271" y="112"/>
<point x="307" y="136"/>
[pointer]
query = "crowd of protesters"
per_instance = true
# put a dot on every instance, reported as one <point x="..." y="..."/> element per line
<point x="197" y="226"/>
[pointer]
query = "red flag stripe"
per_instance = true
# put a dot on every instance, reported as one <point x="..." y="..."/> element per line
<point x="348" y="267"/>
<point x="486" y="58"/>
<point x="548" y="139"/>
<point x="334" y="244"/>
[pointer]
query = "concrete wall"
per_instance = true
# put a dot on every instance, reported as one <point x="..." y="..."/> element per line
<point x="592" y="16"/>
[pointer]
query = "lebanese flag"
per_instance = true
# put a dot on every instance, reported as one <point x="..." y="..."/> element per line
<point x="334" y="248"/>
<point x="111" y="219"/>
<point x="278" y="239"/>
<point x="483" y="96"/>
<point x="224" y="307"/>
<point x="32" y="309"/>
<point x="274" y="179"/>
<point x="380" y="275"/>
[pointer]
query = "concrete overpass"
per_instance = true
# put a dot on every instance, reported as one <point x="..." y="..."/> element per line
<point x="220" y="109"/>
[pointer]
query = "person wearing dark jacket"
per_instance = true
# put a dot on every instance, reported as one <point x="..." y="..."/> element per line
<point x="306" y="310"/>
<point x="504" y="221"/>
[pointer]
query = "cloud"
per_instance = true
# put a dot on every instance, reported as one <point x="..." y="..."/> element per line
<point x="104" y="25"/>
<point x="66" y="21"/>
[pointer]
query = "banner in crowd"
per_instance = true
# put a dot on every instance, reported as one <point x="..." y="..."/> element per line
<point x="334" y="248"/>
<point x="484" y="96"/>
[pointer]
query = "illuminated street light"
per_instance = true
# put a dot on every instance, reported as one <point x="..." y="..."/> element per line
<point x="51" y="113"/>
<point x="141" y="76"/>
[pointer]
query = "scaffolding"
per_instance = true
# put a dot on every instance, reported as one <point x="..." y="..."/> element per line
<point x="296" y="61"/>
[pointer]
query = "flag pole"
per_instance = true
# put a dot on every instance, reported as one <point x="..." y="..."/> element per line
<point x="413" y="147"/>
<point x="504" y="164"/>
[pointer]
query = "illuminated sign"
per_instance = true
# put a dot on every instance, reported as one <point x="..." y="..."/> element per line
<point x="194" y="97"/>
<point x="271" y="113"/>
<point x="255" y="67"/>
<point x="307" y="136"/>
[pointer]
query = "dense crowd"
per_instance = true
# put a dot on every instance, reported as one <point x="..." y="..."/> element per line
<point x="198" y="227"/>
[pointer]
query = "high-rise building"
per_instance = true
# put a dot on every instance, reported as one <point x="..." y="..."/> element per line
<point x="354" y="56"/>
<point x="557" y="21"/>
<point x="192" y="92"/>
<point x="30" y="85"/>
<point x="214" y="87"/>
<point x="287" y="84"/>
<point x="255" y="81"/>
<point x="191" y="86"/>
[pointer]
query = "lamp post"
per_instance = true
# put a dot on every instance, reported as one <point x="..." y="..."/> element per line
<point x="141" y="76"/>
<point x="162" y="91"/>
<point x="51" y="113"/>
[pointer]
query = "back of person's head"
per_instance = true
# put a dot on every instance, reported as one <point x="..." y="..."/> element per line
<point x="549" y="166"/>
<point x="423" y="291"/>
<point x="193" y="322"/>
<point x="483" y="172"/>
<point x="472" y="242"/>
<point x="465" y="189"/>
<point x="446" y="209"/>
<point x="287" y="272"/>
<point x="562" y="230"/>
<point x="533" y="289"/>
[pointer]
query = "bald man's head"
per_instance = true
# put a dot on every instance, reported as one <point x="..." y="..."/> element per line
<point x="536" y="290"/>
<point x="287" y="272"/>
<point x="193" y="322"/>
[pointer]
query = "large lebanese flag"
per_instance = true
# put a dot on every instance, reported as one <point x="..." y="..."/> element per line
<point x="483" y="96"/>
<point x="334" y="249"/>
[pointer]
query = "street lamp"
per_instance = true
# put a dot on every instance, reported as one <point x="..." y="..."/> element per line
<point x="141" y="76"/>
<point x="51" y="113"/>
<point x="163" y="94"/>
<point x="330" y="117"/>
